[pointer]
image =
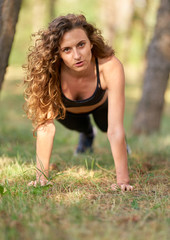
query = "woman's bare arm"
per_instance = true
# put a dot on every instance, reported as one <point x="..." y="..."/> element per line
<point x="114" y="77"/>
<point x="44" y="145"/>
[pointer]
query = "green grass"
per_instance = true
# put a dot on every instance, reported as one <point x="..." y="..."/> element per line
<point x="80" y="204"/>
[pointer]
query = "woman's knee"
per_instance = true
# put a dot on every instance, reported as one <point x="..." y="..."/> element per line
<point x="100" y="116"/>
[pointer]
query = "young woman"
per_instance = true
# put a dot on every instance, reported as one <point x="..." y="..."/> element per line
<point x="71" y="73"/>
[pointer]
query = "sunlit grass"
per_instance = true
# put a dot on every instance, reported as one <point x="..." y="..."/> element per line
<point x="80" y="202"/>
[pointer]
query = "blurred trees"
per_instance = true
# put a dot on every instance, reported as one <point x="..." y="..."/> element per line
<point x="52" y="9"/>
<point x="116" y="17"/>
<point x="149" y="111"/>
<point x="46" y="12"/>
<point x="128" y="25"/>
<point x="9" y="11"/>
<point x="38" y="9"/>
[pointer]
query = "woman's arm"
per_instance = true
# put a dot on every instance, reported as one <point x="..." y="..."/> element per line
<point x="44" y="145"/>
<point x="115" y="81"/>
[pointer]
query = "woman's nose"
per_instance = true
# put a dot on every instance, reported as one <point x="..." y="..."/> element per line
<point x="76" y="54"/>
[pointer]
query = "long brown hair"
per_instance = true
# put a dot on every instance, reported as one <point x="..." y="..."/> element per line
<point x="43" y="90"/>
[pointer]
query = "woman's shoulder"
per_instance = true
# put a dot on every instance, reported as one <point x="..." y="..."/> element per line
<point x="110" y="64"/>
<point x="110" y="69"/>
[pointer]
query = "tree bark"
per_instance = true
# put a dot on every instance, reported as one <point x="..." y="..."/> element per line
<point x="148" y="115"/>
<point x="9" y="11"/>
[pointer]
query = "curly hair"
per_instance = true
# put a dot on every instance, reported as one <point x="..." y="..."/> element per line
<point x="43" y="89"/>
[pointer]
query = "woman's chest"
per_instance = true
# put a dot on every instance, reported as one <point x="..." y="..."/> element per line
<point x="79" y="89"/>
<point x="83" y="87"/>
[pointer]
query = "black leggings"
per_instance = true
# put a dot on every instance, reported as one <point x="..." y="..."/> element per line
<point x="81" y="122"/>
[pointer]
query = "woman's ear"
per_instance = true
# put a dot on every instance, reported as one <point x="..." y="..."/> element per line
<point x="91" y="45"/>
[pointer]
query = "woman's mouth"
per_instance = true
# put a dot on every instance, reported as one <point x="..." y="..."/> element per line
<point x="79" y="64"/>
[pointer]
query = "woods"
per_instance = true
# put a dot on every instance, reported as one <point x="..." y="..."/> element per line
<point x="149" y="111"/>
<point x="9" y="11"/>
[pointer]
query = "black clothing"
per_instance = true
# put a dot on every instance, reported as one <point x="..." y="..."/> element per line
<point x="81" y="121"/>
<point x="94" y="99"/>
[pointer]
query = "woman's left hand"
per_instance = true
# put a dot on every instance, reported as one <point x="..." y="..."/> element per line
<point x="123" y="187"/>
<point x="39" y="182"/>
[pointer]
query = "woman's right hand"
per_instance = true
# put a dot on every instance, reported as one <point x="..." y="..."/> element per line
<point x="41" y="183"/>
<point x="123" y="187"/>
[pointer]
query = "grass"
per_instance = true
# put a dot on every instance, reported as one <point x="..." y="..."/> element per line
<point x="80" y="204"/>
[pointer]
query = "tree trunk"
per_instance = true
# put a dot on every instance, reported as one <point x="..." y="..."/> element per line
<point x="149" y="111"/>
<point x="116" y="17"/>
<point x="9" y="11"/>
<point x="52" y="9"/>
<point x="38" y="9"/>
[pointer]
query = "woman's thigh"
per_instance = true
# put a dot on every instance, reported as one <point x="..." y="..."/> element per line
<point x="77" y="122"/>
<point x="100" y="116"/>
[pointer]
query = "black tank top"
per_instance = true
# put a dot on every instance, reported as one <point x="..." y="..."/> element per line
<point x="94" y="99"/>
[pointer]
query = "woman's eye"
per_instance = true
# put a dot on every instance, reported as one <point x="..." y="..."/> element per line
<point x="81" y="44"/>
<point x="66" y="50"/>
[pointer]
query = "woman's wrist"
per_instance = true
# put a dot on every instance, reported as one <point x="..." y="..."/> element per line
<point x="123" y="179"/>
<point x="42" y="175"/>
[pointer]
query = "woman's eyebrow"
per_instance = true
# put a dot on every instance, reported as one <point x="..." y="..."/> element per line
<point x="62" y="48"/>
<point x="81" y="41"/>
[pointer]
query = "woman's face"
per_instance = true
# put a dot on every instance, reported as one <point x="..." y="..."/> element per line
<point x="75" y="50"/>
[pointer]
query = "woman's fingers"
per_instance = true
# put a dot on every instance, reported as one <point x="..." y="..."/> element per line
<point x="129" y="188"/>
<point x="39" y="182"/>
<point x="126" y="187"/>
<point x="31" y="183"/>
<point x="123" y="187"/>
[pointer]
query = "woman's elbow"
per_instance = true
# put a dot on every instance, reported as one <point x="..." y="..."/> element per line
<point x="118" y="134"/>
<point x="47" y="129"/>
